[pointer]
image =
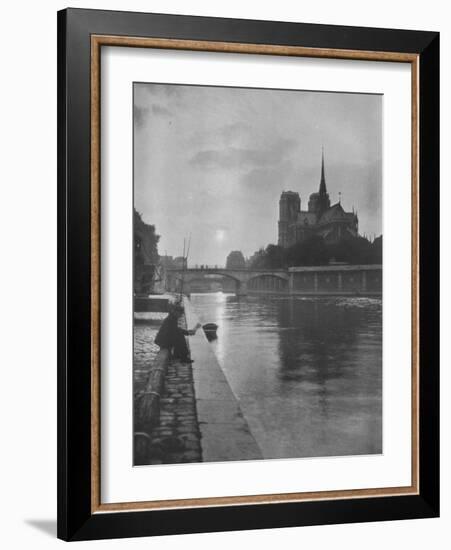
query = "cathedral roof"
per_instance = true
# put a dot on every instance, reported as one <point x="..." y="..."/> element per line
<point x="335" y="213"/>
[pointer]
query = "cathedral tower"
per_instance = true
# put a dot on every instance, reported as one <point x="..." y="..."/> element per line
<point x="289" y="206"/>
<point x="320" y="202"/>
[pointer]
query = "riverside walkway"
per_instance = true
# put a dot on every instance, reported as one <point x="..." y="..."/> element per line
<point x="225" y="434"/>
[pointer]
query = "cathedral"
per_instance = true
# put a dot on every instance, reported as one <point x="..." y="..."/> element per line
<point x="330" y="222"/>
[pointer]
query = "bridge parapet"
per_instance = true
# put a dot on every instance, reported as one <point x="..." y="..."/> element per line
<point x="237" y="274"/>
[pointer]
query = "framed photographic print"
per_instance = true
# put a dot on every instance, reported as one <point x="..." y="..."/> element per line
<point x="248" y="274"/>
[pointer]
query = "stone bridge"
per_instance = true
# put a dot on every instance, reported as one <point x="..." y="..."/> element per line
<point x="244" y="279"/>
<point x="328" y="280"/>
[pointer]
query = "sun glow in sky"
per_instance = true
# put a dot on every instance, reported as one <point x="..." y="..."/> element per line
<point x="220" y="235"/>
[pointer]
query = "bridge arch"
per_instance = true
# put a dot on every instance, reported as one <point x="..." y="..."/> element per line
<point x="244" y="280"/>
<point x="197" y="276"/>
<point x="268" y="282"/>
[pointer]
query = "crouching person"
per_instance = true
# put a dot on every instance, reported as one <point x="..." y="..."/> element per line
<point x="171" y="335"/>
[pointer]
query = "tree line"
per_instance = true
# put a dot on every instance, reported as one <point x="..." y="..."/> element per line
<point x="315" y="251"/>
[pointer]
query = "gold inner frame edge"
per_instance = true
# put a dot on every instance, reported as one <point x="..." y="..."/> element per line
<point x="97" y="41"/>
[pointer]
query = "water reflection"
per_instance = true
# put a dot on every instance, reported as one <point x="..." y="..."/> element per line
<point x="307" y="371"/>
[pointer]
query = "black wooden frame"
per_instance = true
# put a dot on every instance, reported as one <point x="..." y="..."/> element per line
<point x="75" y="520"/>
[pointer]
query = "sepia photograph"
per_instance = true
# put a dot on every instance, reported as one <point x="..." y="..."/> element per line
<point x="257" y="274"/>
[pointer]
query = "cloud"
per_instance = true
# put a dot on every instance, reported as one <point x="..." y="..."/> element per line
<point x="138" y="115"/>
<point x="270" y="179"/>
<point x="225" y="135"/>
<point x="215" y="226"/>
<point x="154" y="90"/>
<point x="159" y="110"/>
<point x="230" y="132"/>
<point x="141" y="113"/>
<point x="171" y="90"/>
<point x="243" y="158"/>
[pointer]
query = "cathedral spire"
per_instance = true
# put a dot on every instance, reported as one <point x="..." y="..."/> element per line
<point x="322" y="185"/>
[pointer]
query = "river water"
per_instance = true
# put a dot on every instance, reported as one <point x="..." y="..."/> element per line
<point x="306" y="371"/>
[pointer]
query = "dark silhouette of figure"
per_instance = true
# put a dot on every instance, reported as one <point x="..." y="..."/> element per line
<point x="171" y="335"/>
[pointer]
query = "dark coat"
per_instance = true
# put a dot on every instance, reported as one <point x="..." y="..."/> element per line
<point x="170" y="334"/>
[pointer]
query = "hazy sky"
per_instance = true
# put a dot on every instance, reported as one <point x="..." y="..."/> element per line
<point x="212" y="162"/>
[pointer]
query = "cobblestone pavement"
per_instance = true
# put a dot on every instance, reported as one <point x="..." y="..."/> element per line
<point x="177" y="438"/>
<point x="144" y="352"/>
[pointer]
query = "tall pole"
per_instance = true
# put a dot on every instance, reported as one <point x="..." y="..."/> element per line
<point x="187" y="250"/>
<point x="183" y="269"/>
